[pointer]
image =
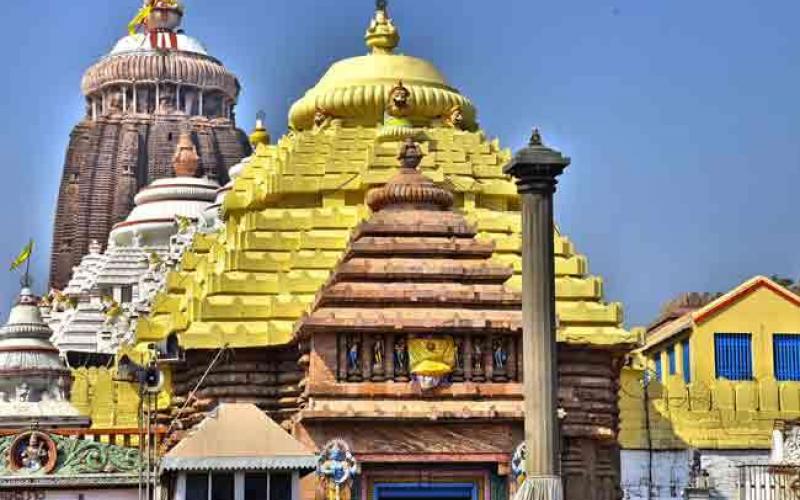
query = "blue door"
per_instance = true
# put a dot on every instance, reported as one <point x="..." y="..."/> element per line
<point x="425" y="491"/>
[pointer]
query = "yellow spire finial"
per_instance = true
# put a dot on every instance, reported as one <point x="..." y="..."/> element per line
<point x="382" y="36"/>
<point x="259" y="135"/>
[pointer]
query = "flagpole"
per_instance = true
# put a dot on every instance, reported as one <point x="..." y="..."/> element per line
<point x="26" y="278"/>
<point x="26" y="283"/>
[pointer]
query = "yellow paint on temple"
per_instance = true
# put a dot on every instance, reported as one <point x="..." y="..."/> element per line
<point x="711" y="412"/>
<point x="290" y="213"/>
<point x="110" y="403"/>
<point x="285" y="232"/>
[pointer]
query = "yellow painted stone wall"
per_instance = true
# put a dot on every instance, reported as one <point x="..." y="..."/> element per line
<point x="109" y="403"/>
<point x="289" y="218"/>
<point x="712" y="413"/>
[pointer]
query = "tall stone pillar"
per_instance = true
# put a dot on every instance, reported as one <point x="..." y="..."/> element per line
<point x="536" y="169"/>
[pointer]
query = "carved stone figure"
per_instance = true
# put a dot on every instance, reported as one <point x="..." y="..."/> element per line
<point x="166" y="99"/>
<point x="115" y="101"/>
<point x="500" y="354"/>
<point x="399" y="105"/>
<point x="138" y="240"/>
<point x="354" y="357"/>
<point x="477" y="356"/>
<point x="400" y="357"/>
<point x="336" y="470"/>
<point x="321" y="117"/>
<point x="536" y="138"/>
<point x="23" y="393"/>
<point x="460" y="354"/>
<point x="34" y="456"/>
<point x="454" y="118"/>
<point x="410" y="155"/>
<point x="791" y="447"/>
<point x="377" y="354"/>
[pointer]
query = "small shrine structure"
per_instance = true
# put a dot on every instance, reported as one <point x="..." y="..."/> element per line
<point x="237" y="453"/>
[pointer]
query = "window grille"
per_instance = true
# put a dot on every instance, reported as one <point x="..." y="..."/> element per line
<point x="659" y="374"/>
<point x="687" y="361"/>
<point x="786" y="356"/>
<point x="733" y="356"/>
<point x="671" y="359"/>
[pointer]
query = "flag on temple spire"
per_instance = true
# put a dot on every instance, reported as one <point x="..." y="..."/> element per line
<point x="140" y="17"/>
<point x="23" y="257"/>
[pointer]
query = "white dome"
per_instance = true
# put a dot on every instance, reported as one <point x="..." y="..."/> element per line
<point x="141" y="43"/>
<point x="157" y="206"/>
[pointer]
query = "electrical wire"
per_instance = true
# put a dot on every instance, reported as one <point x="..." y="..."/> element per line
<point x="196" y="388"/>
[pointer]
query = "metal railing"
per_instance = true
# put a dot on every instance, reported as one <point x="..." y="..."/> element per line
<point x="769" y="482"/>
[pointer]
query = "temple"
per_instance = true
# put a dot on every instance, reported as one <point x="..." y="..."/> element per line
<point x="278" y="308"/>
<point x="345" y="298"/>
<point x="139" y="98"/>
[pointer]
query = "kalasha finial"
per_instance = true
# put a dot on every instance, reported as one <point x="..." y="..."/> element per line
<point x="410" y="154"/>
<point x="382" y="36"/>
<point x="259" y="135"/>
<point x="157" y="15"/>
<point x="536" y="138"/>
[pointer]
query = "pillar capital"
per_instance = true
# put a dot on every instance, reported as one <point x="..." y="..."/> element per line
<point x="537" y="167"/>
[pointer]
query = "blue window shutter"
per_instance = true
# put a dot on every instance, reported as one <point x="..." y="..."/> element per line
<point x="659" y="374"/>
<point x="786" y="356"/>
<point x="671" y="359"/>
<point x="733" y="356"/>
<point x="687" y="361"/>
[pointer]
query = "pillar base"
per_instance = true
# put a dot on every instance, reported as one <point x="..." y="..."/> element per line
<point x="541" y="488"/>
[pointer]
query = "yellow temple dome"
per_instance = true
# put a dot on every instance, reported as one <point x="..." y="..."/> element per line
<point x="359" y="89"/>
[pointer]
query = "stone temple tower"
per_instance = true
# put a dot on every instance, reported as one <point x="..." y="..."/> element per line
<point x="139" y="98"/>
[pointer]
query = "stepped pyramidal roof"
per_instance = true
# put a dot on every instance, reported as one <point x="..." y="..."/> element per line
<point x="415" y="266"/>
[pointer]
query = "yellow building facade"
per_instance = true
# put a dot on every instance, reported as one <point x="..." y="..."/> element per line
<point x="289" y="215"/>
<point x="718" y="378"/>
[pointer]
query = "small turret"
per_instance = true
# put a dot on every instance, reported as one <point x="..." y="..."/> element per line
<point x="34" y="382"/>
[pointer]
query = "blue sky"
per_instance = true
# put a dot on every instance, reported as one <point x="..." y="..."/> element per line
<point x="681" y="117"/>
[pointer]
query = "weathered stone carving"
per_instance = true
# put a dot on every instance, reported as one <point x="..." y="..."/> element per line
<point x="38" y="452"/>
